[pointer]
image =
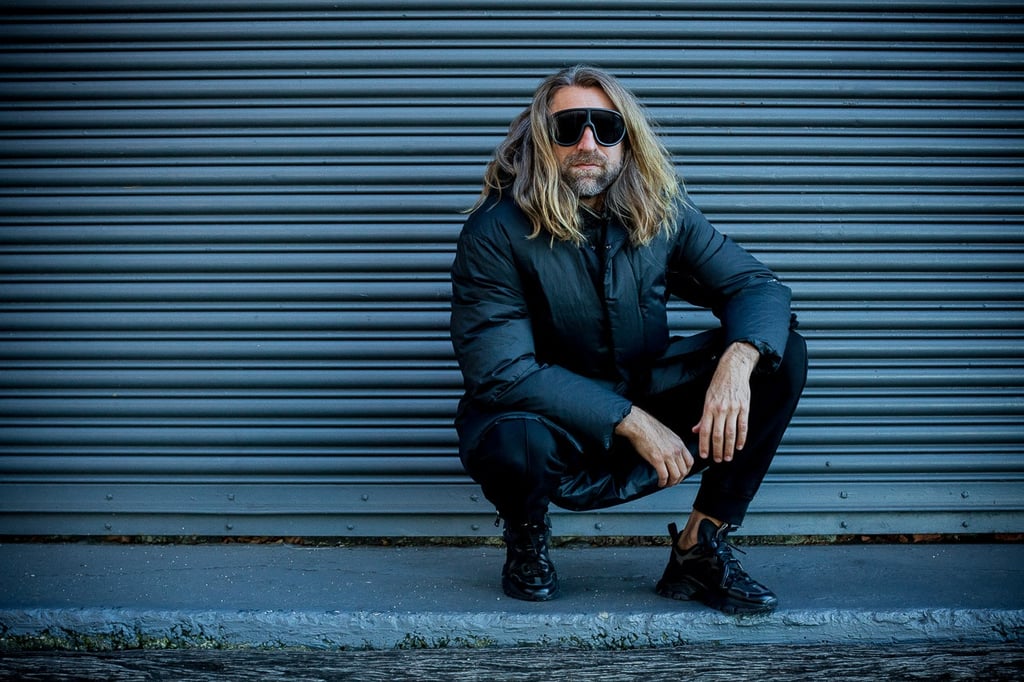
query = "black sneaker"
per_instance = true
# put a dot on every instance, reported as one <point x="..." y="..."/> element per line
<point x="528" y="573"/>
<point x="709" y="573"/>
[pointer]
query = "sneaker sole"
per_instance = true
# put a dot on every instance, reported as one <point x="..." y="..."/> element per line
<point x="693" y="592"/>
<point x="515" y="593"/>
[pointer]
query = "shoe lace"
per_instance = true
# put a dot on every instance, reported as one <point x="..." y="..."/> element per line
<point x="530" y="542"/>
<point x="732" y="569"/>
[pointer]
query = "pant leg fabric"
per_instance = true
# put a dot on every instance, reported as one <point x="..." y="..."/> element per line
<point x="515" y="467"/>
<point x="523" y="464"/>
<point x="727" y="488"/>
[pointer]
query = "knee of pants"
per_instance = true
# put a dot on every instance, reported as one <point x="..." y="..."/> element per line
<point x="782" y="388"/>
<point x="519" y="450"/>
<point x="794" y="363"/>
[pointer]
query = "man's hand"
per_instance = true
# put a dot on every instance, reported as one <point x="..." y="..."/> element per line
<point x="723" y="425"/>
<point x="658" y="445"/>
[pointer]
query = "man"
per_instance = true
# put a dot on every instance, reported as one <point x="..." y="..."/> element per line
<point x="575" y="393"/>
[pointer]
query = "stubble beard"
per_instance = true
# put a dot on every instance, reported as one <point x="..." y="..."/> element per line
<point x="590" y="182"/>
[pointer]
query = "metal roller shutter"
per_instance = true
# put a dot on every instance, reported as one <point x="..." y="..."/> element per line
<point x="226" y="227"/>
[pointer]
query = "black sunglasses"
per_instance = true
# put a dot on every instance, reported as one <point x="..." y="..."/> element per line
<point x="567" y="126"/>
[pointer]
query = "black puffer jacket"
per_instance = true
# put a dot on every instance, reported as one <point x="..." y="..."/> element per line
<point x="533" y="335"/>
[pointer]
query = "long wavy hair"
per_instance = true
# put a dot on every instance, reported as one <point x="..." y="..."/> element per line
<point x="643" y="197"/>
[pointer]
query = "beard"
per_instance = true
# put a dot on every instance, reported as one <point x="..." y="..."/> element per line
<point x="589" y="182"/>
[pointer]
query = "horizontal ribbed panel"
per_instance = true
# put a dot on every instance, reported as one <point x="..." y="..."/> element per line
<point x="225" y="232"/>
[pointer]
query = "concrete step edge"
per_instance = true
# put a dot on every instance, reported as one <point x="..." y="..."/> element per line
<point x="105" y="629"/>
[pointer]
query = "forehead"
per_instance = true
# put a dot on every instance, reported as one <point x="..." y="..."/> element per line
<point x="575" y="97"/>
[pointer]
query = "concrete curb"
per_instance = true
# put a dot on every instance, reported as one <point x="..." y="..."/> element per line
<point x="109" y="597"/>
<point x="116" y="629"/>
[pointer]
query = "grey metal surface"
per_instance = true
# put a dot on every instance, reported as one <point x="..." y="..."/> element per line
<point x="225" y="234"/>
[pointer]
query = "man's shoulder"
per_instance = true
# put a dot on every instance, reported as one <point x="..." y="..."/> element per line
<point x="497" y="215"/>
<point x="689" y="219"/>
<point x="685" y="208"/>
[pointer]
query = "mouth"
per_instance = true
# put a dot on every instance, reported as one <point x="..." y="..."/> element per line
<point x="586" y="165"/>
<point x="586" y="162"/>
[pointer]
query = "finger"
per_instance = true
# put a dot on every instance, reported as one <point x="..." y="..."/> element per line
<point x="687" y="461"/>
<point x="729" y="442"/>
<point x="674" y="474"/>
<point x="718" y="439"/>
<point x="703" y="429"/>
<point x="662" y="470"/>
<point x="742" y="423"/>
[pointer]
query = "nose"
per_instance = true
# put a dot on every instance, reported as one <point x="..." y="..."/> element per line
<point x="587" y="141"/>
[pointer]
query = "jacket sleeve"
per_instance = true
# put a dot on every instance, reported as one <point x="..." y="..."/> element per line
<point x="492" y="335"/>
<point x="709" y="269"/>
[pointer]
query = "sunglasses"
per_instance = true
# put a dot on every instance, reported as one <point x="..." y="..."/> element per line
<point x="567" y="126"/>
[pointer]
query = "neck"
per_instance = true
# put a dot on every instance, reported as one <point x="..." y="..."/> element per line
<point x="595" y="203"/>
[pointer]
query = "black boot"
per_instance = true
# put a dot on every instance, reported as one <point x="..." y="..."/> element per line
<point x="709" y="573"/>
<point x="528" y="573"/>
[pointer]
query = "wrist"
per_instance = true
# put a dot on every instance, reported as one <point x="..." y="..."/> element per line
<point x="742" y="354"/>
<point x="627" y="425"/>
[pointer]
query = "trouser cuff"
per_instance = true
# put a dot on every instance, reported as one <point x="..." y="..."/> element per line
<point x="721" y="505"/>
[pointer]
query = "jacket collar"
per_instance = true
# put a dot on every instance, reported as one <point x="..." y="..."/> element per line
<point x="617" y="234"/>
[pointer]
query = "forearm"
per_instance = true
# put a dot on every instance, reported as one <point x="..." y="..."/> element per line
<point x="740" y="359"/>
<point x="760" y="316"/>
<point x="722" y="429"/>
<point x="584" y="407"/>
<point x="661" y="447"/>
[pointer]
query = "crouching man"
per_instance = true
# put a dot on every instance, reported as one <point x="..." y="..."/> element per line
<point x="576" y="394"/>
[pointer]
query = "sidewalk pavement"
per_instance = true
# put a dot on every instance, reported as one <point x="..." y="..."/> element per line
<point x="110" y="596"/>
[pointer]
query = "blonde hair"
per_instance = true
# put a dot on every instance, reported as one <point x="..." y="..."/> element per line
<point x="643" y="197"/>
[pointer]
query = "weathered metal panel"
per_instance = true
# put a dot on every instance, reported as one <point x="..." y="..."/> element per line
<point x="225" y="232"/>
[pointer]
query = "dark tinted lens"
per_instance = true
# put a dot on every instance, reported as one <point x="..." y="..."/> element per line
<point x="568" y="126"/>
<point x="609" y="128"/>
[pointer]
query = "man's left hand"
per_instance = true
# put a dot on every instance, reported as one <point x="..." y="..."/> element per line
<point x="723" y="425"/>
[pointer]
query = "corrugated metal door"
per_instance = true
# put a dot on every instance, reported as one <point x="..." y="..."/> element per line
<point x="226" y="230"/>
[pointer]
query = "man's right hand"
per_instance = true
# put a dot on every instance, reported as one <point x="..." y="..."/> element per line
<point x="658" y="445"/>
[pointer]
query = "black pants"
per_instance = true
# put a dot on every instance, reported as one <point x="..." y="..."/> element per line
<point x="523" y="464"/>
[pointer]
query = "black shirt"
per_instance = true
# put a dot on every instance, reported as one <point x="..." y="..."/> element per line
<point x="595" y="227"/>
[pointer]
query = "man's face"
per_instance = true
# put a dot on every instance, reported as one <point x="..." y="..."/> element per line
<point x="587" y="166"/>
